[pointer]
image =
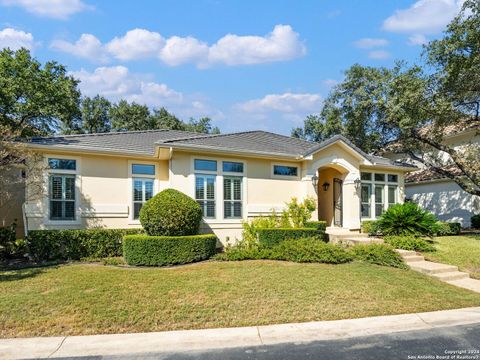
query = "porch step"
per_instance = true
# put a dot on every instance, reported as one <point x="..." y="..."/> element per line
<point x="470" y="284"/>
<point x="449" y="276"/>
<point x="413" y="258"/>
<point x="405" y="252"/>
<point x="362" y="240"/>
<point x="431" y="268"/>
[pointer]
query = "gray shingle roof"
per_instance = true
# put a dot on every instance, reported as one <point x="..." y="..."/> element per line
<point x="248" y="142"/>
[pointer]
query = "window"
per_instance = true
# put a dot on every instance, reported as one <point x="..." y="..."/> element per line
<point x="379" y="204"/>
<point x="380" y="177"/>
<point x="141" y="169"/>
<point x="62" y="164"/>
<point x="229" y="166"/>
<point x="366" y="176"/>
<point x="285" y="170"/>
<point x="62" y="197"/>
<point x="205" y="165"/>
<point x="142" y="191"/>
<point x="205" y="194"/>
<point x="392" y="178"/>
<point x="392" y="195"/>
<point x="365" y="200"/>
<point x="232" y="196"/>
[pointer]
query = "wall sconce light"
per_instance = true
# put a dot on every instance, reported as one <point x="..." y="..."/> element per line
<point x="357" y="183"/>
<point x="325" y="186"/>
<point x="315" y="181"/>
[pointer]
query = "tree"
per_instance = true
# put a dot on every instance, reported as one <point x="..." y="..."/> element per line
<point x="164" y="120"/>
<point x="35" y="99"/>
<point x="131" y="117"/>
<point x="202" y="125"/>
<point x="95" y="115"/>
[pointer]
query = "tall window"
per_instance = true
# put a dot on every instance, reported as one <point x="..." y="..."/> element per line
<point x="365" y="200"/>
<point x="378" y="193"/>
<point x="142" y="192"/>
<point x="232" y="195"/>
<point x="392" y="195"/>
<point x="62" y="197"/>
<point x="205" y="194"/>
<point x="62" y="189"/>
<point x="379" y="203"/>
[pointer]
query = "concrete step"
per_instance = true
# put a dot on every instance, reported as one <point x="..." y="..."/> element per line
<point x="405" y="252"/>
<point x="430" y="268"/>
<point x="360" y="240"/>
<point x="454" y="275"/>
<point x="470" y="284"/>
<point x="413" y="258"/>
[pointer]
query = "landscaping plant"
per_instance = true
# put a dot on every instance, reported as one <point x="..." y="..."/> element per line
<point x="409" y="243"/>
<point x="298" y="214"/>
<point x="475" y="221"/>
<point x="407" y="219"/>
<point x="171" y="213"/>
<point x="448" y="228"/>
<point x="379" y="254"/>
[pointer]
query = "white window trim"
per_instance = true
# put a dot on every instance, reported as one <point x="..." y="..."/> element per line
<point x="219" y="201"/>
<point x="78" y="186"/>
<point x="241" y="197"/>
<point x="131" y="176"/>
<point x="386" y="185"/>
<point x="285" y="177"/>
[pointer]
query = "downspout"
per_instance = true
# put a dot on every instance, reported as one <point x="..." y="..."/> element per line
<point x="25" y="219"/>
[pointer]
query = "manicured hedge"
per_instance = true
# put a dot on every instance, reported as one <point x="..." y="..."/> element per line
<point x="475" y="221"/>
<point x="272" y="237"/>
<point x="167" y="250"/>
<point x="319" y="225"/>
<point x="448" y="228"/>
<point x="409" y="243"/>
<point x="45" y="245"/>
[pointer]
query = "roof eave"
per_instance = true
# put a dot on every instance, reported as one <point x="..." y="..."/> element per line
<point x="84" y="149"/>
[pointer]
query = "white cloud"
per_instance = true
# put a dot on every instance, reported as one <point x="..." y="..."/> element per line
<point x="287" y="103"/>
<point x="181" y="50"/>
<point x="87" y="46"/>
<point x="424" y="16"/>
<point x="279" y="45"/>
<point x="379" y="54"/>
<point x="368" y="43"/>
<point x="417" y="39"/>
<point x="136" y="44"/>
<point x="117" y="82"/>
<point x="57" y="9"/>
<point x="16" y="39"/>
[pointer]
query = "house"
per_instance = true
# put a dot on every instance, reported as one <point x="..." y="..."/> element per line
<point x="438" y="194"/>
<point x="102" y="180"/>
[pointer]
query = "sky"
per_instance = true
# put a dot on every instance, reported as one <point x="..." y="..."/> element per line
<point x="248" y="65"/>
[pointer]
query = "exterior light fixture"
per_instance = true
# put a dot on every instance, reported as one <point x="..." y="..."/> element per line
<point x="357" y="183"/>
<point x="315" y="181"/>
<point x="325" y="186"/>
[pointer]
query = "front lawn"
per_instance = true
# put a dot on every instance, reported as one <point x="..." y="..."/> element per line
<point x="462" y="251"/>
<point x="93" y="299"/>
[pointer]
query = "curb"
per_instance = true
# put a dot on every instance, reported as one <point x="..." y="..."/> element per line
<point x="196" y="340"/>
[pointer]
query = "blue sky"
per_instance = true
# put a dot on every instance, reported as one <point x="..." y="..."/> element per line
<point x="246" y="64"/>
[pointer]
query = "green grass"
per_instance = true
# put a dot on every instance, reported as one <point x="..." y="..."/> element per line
<point x="462" y="251"/>
<point x="92" y="299"/>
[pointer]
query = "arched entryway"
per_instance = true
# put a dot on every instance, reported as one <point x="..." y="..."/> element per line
<point x="331" y="201"/>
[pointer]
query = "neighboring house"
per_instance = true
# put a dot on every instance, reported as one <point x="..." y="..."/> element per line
<point x="102" y="180"/>
<point x="438" y="194"/>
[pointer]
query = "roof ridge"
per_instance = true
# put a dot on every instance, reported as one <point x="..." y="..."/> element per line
<point x="211" y="136"/>
<point x="102" y="133"/>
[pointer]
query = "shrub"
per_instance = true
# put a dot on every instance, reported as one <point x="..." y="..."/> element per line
<point x="7" y="240"/>
<point x="475" y="221"/>
<point x="319" y="225"/>
<point x="379" y="254"/>
<point x="171" y="213"/>
<point x="272" y="237"/>
<point x="45" y="245"/>
<point x="167" y="250"/>
<point x="310" y="250"/>
<point x="369" y="227"/>
<point x="407" y="219"/>
<point x="297" y="214"/>
<point x="409" y="243"/>
<point x="250" y="229"/>
<point x="448" y="228"/>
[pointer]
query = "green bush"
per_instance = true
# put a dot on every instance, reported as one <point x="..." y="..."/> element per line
<point x="167" y="250"/>
<point x="475" y="221"/>
<point x="407" y="219"/>
<point x="369" y="227"/>
<point x="319" y="225"/>
<point x="272" y="237"/>
<point x="448" y="228"/>
<point x="7" y="240"/>
<point x="297" y="214"/>
<point x="409" y="243"/>
<point x="171" y="213"/>
<point x="45" y="245"/>
<point x="379" y="254"/>
<point x="250" y="229"/>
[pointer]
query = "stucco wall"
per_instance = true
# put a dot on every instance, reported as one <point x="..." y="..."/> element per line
<point x="446" y="200"/>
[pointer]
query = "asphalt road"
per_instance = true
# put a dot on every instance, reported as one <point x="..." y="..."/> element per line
<point x="438" y="343"/>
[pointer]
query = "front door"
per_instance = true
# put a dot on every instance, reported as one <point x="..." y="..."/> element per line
<point x="337" y="202"/>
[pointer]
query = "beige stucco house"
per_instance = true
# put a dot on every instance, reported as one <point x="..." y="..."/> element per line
<point x="102" y="180"/>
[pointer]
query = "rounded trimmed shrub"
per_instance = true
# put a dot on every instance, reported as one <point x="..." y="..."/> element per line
<point x="171" y="213"/>
<point x="409" y="243"/>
